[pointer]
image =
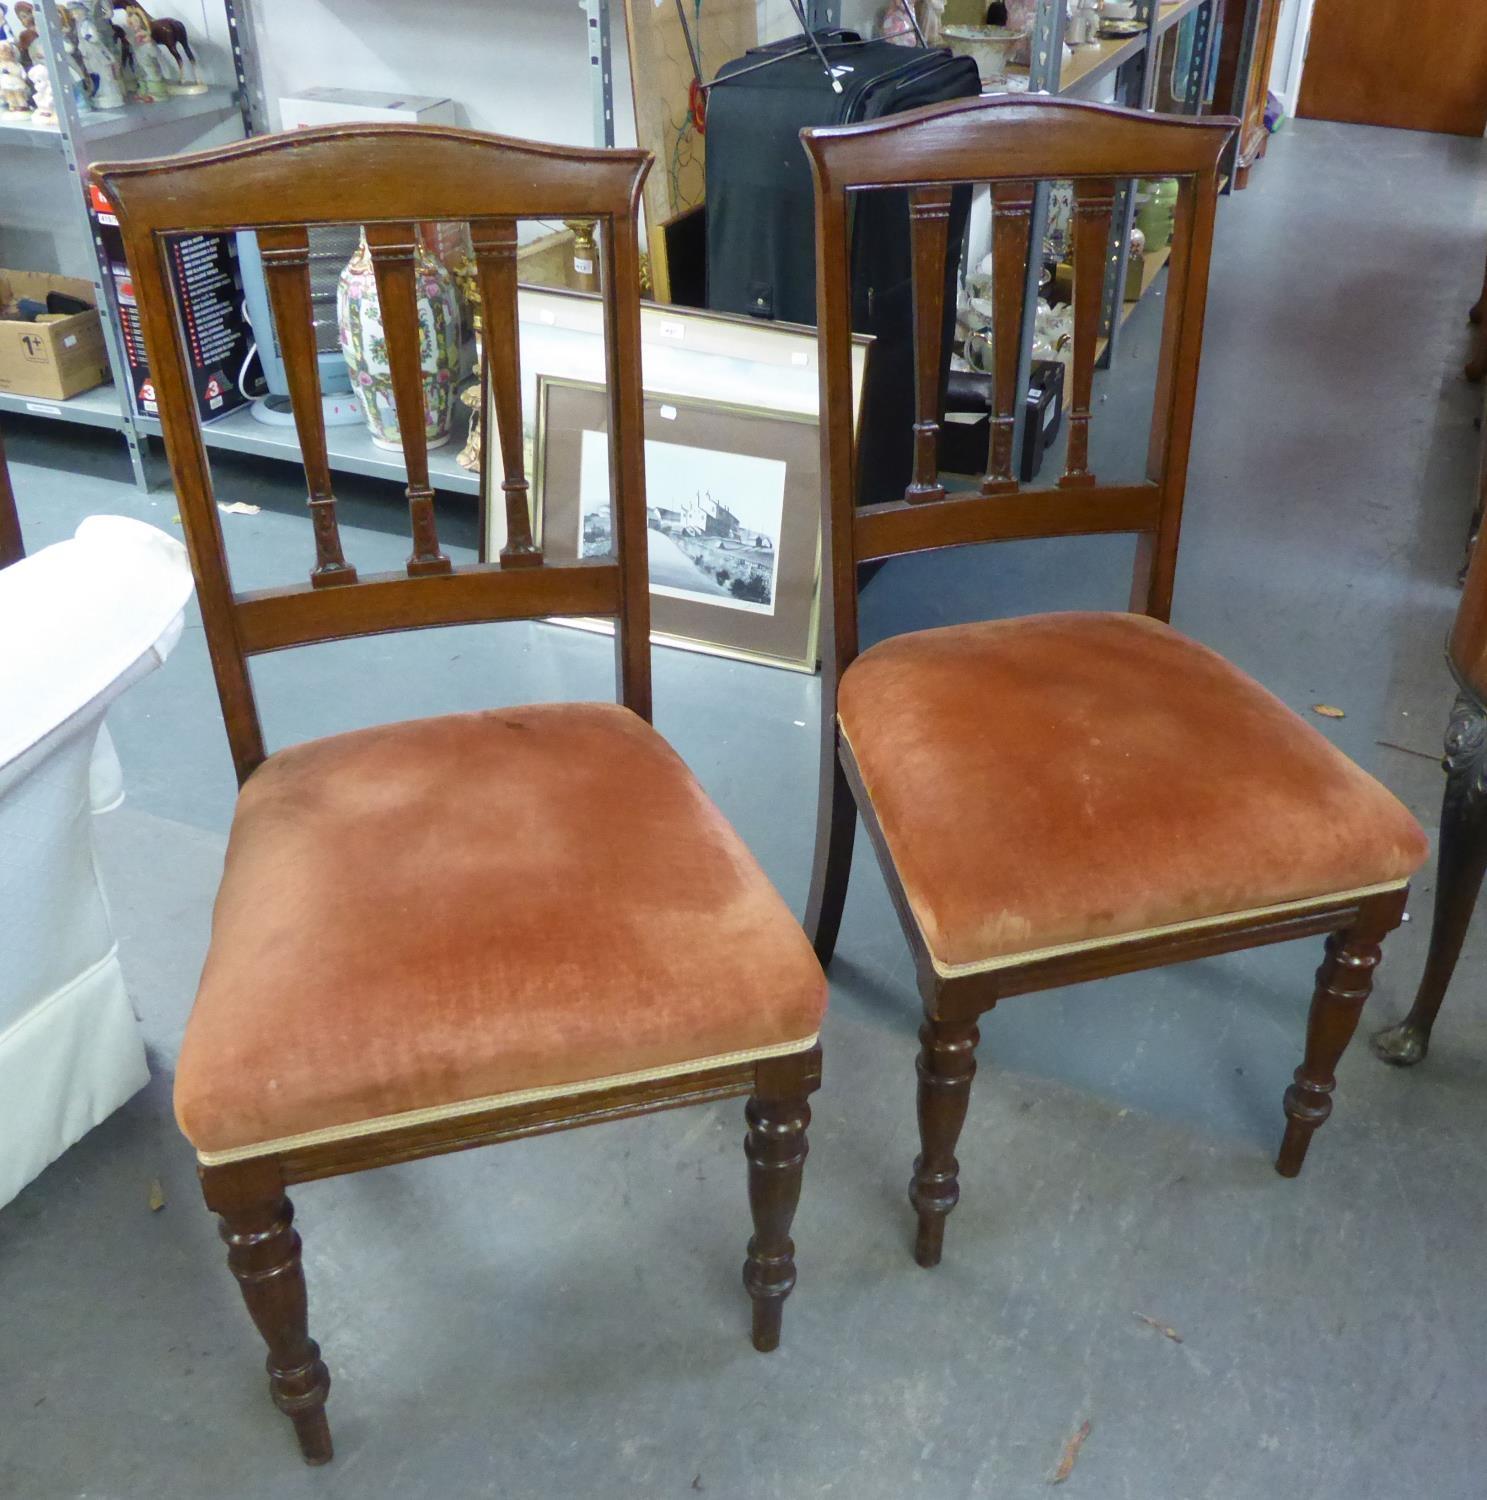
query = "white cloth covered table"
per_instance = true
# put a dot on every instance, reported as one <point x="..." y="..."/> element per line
<point x="79" y="623"/>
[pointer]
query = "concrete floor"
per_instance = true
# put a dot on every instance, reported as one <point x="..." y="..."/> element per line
<point x="563" y="1317"/>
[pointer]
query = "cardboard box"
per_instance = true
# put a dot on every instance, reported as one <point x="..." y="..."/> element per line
<point x="360" y="106"/>
<point x="53" y="359"/>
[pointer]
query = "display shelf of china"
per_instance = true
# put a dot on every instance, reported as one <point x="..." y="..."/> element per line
<point x="1090" y="65"/>
<point x="101" y="124"/>
<point x="350" y="449"/>
<point x="77" y="135"/>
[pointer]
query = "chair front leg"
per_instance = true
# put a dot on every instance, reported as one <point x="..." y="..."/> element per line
<point x="946" y="1066"/>
<point x="263" y="1252"/>
<point x="778" y="1114"/>
<point x="1344" y="982"/>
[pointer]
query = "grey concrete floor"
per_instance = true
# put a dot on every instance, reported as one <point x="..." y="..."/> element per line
<point x="563" y="1317"/>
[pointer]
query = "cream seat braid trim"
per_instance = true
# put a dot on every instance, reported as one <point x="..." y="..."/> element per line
<point x="1198" y="924"/>
<point x="435" y="1113"/>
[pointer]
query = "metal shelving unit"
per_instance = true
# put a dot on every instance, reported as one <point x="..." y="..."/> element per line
<point x="73" y="137"/>
<point x="128" y="132"/>
<point x="1129" y="61"/>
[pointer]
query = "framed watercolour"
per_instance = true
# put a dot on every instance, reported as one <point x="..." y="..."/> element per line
<point x="732" y="497"/>
<point x="754" y="377"/>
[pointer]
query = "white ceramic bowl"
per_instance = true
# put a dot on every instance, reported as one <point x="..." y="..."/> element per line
<point x="988" y="45"/>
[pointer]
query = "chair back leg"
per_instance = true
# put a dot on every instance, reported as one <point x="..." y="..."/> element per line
<point x="836" y="831"/>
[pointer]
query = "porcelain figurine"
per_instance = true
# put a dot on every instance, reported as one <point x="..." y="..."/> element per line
<point x="359" y="318"/>
<point x="43" y="105"/>
<point x="111" y="34"/>
<point x="149" y="75"/>
<point x="1082" y="29"/>
<point x="15" y="87"/>
<point x="469" y="456"/>
<point x="98" y="61"/>
<point x="82" y="85"/>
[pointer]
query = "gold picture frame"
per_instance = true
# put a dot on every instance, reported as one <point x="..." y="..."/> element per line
<point x="733" y="496"/>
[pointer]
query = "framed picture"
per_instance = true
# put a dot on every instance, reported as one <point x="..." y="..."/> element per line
<point x="748" y="373"/>
<point x="732" y="507"/>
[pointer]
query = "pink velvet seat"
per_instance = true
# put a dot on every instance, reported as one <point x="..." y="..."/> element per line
<point x="433" y="916"/>
<point x="1064" y="779"/>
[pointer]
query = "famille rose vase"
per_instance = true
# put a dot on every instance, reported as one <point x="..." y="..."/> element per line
<point x="359" y="317"/>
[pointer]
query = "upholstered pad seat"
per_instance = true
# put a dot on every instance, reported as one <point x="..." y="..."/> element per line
<point x="432" y="917"/>
<point x="1067" y="779"/>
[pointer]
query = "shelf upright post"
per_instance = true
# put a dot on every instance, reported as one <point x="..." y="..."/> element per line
<point x="1045" y="64"/>
<point x="601" y="70"/>
<point x="1195" y="86"/>
<point x="1138" y="85"/>
<point x="245" y="65"/>
<point x="74" y="143"/>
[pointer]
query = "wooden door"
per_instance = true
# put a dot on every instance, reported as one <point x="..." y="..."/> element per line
<point x="1421" y="66"/>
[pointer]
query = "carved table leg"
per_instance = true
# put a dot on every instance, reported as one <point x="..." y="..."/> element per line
<point x="778" y="1114"/>
<point x="263" y="1252"/>
<point x="1343" y="985"/>
<point x="946" y="1066"/>
<point x="1458" y="879"/>
<point x="1476" y="365"/>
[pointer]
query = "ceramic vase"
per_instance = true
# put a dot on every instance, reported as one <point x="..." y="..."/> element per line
<point x="1156" y="206"/>
<point x="359" y="316"/>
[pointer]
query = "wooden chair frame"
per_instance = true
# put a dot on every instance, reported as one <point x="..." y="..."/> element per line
<point x="1012" y="143"/>
<point x="281" y="186"/>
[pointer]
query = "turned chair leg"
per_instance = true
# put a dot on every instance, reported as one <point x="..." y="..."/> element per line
<point x="778" y="1114"/>
<point x="836" y="831"/>
<point x="946" y="1066"/>
<point x="1479" y="308"/>
<point x="1458" y="879"/>
<point x="263" y="1252"/>
<point x="1343" y="985"/>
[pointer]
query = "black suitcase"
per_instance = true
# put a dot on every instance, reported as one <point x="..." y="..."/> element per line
<point x="761" y="212"/>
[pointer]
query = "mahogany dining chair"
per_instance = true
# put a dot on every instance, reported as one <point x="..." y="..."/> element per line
<point x="451" y="931"/>
<point x="1064" y="796"/>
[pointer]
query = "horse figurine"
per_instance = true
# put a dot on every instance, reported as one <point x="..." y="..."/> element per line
<point x="170" y="35"/>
